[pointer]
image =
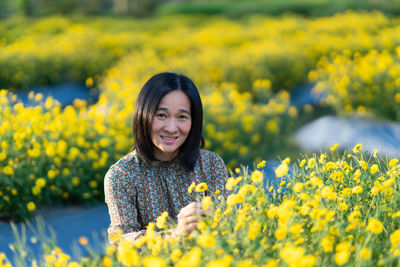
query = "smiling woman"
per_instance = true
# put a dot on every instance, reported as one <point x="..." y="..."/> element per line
<point x="167" y="159"/>
<point x="171" y="125"/>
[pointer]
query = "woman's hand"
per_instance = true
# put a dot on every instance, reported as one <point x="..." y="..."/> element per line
<point x="188" y="218"/>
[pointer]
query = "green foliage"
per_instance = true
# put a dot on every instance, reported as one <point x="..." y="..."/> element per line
<point x="278" y="7"/>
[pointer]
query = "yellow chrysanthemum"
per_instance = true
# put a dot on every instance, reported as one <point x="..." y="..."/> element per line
<point x="201" y="187"/>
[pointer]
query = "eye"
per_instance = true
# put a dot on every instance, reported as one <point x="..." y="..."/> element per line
<point x="161" y="115"/>
<point x="183" y="117"/>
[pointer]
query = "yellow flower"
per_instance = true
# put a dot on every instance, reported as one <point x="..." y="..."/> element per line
<point x="341" y="257"/>
<point x="281" y="170"/>
<point x="271" y="263"/>
<point x="291" y="254"/>
<point x="206" y="202"/>
<point x="191" y="187"/>
<point x="72" y="264"/>
<point x="393" y="162"/>
<point x="375" y="153"/>
<point x="395" y="239"/>
<point x="254" y="230"/>
<point x="256" y="176"/>
<point x="31" y="206"/>
<point x="375" y="226"/>
<point x="298" y="187"/>
<point x="374" y="168"/>
<point x="160" y="222"/>
<point x="357" y="148"/>
<point x="107" y="262"/>
<point x="40" y="182"/>
<point x="201" y="187"/>
<point x="83" y="241"/>
<point x="206" y="240"/>
<point x="153" y="261"/>
<point x="307" y="261"/>
<point x="51" y="174"/>
<point x="357" y="189"/>
<point x="126" y="254"/>
<point x="333" y="148"/>
<point x="176" y="254"/>
<point x="365" y="253"/>
<point x="261" y="164"/>
<point x="311" y="163"/>
<point x="322" y="158"/>
<point x="327" y="243"/>
<point x="280" y="233"/>
<point x="302" y="163"/>
<point x="89" y="82"/>
<point x="363" y="165"/>
<point x="191" y="259"/>
<point x="224" y="262"/>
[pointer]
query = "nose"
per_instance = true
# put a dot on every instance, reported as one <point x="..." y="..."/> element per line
<point x="170" y="126"/>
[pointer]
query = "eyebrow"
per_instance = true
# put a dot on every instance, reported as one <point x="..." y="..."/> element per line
<point x="181" y="110"/>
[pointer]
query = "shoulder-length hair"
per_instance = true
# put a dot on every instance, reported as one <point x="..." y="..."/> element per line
<point x="146" y="106"/>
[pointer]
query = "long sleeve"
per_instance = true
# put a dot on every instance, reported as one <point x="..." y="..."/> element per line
<point x="121" y="206"/>
<point x="219" y="174"/>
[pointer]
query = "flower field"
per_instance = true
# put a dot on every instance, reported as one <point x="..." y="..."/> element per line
<point x="330" y="209"/>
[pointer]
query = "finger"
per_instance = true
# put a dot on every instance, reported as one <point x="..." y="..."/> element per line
<point x="188" y="207"/>
<point x="190" y="227"/>
<point x="189" y="220"/>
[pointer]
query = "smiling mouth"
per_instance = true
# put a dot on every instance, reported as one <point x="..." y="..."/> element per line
<point x="169" y="138"/>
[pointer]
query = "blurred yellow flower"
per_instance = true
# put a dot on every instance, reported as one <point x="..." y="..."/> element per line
<point x="31" y="206"/>
<point x="206" y="202"/>
<point x="357" y="148"/>
<point x="282" y="170"/>
<point x="206" y="240"/>
<point x="341" y="257"/>
<point x="201" y="187"/>
<point x="365" y="254"/>
<point x="191" y="187"/>
<point x="375" y="226"/>
<point x="260" y="164"/>
<point x="333" y="148"/>
<point x="192" y="258"/>
<point x="83" y="241"/>
<point x="280" y="233"/>
<point x="176" y="254"/>
<point x="393" y="162"/>
<point x="153" y="261"/>
<point x="357" y="189"/>
<point x="256" y="176"/>
<point x="374" y="168"/>
<point x="223" y="262"/>
<point x="160" y="222"/>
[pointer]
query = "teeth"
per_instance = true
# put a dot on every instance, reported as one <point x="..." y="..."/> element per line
<point x="169" y="138"/>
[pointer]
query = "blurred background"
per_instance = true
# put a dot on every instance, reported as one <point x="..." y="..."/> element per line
<point x="226" y="7"/>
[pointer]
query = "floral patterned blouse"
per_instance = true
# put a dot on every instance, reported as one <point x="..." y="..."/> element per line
<point x="137" y="192"/>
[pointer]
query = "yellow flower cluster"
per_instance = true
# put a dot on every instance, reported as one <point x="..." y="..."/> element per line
<point x="361" y="82"/>
<point x="315" y="220"/>
<point x="51" y="154"/>
<point x="55" y="49"/>
<point x="242" y="73"/>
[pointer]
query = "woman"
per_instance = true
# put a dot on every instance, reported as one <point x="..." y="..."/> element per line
<point x="167" y="158"/>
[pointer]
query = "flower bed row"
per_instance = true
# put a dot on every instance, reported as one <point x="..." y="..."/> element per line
<point x="330" y="210"/>
<point x="239" y="67"/>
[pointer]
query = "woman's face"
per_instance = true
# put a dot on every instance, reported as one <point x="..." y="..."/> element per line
<point x="171" y="125"/>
